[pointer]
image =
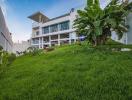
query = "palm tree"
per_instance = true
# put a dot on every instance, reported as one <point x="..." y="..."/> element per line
<point x="97" y="23"/>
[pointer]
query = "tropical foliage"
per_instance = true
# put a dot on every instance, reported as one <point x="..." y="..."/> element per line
<point x="98" y="23"/>
<point x="5" y="59"/>
<point x="33" y="51"/>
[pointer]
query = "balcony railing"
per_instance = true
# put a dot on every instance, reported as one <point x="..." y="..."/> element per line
<point x="35" y="24"/>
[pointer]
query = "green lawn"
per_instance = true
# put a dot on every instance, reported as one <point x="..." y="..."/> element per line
<point x="69" y="73"/>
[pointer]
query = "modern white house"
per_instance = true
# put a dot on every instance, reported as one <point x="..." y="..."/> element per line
<point x="49" y="32"/>
<point x="5" y="35"/>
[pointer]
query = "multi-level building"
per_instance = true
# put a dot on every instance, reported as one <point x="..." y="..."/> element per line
<point x="5" y="35"/>
<point x="49" y="32"/>
<point x="59" y="30"/>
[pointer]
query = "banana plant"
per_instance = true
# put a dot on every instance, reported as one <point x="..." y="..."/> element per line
<point x="97" y="23"/>
<point x="1" y="54"/>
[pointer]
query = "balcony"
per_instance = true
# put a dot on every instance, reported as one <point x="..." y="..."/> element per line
<point x="35" y="25"/>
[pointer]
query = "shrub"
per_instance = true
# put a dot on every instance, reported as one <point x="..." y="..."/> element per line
<point x="49" y="49"/>
<point x="5" y="60"/>
<point x="24" y="52"/>
<point x="1" y="48"/>
<point x="33" y="51"/>
<point x="112" y="42"/>
<point x="11" y="58"/>
<point x="79" y="43"/>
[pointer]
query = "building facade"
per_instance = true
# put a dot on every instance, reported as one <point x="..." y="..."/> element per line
<point x="50" y="32"/>
<point x="57" y="31"/>
<point x="5" y="35"/>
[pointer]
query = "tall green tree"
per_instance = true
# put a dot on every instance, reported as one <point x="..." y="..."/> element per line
<point x="97" y="23"/>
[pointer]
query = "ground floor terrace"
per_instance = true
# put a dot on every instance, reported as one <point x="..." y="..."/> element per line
<point x="54" y="40"/>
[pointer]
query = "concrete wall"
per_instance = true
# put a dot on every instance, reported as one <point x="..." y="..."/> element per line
<point x="20" y="47"/>
<point x="5" y="36"/>
<point x="129" y="33"/>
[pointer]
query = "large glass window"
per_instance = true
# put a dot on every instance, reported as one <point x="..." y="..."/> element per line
<point x="64" y="26"/>
<point x="45" y="30"/>
<point x="35" y="41"/>
<point x="54" y="28"/>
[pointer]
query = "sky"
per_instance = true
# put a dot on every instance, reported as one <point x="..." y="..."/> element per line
<point x="17" y="11"/>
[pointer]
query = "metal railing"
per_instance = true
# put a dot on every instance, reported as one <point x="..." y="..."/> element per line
<point x="35" y="24"/>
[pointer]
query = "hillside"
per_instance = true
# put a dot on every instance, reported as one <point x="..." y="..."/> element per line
<point x="69" y="73"/>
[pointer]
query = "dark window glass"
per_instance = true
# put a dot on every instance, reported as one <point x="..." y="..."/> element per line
<point x="37" y="33"/>
<point x="54" y="28"/>
<point x="45" y="30"/>
<point x="35" y="41"/>
<point x="64" y="26"/>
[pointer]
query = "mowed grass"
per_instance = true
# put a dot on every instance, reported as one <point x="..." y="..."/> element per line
<point x="69" y="73"/>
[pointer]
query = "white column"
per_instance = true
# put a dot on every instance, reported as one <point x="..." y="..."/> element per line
<point x="75" y="38"/>
<point x="40" y="30"/>
<point x="58" y="39"/>
<point x="50" y="41"/>
<point x="40" y="18"/>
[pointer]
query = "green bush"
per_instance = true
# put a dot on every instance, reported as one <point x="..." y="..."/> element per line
<point x="5" y="60"/>
<point x="112" y="42"/>
<point x="49" y="49"/>
<point x="33" y="51"/>
<point x="11" y="58"/>
<point x="1" y="48"/>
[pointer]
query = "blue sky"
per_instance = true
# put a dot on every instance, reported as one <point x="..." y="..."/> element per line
<point x="17" y="11"/>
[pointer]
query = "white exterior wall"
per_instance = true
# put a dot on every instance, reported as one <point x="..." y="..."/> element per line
<point x="5" y="37"/>
<point x="122" y="40"/>
<point x="71" y="31"/>
<point x="20" y="47"/>
<point x="66" y="18"/>
<point x="129" y="33"/>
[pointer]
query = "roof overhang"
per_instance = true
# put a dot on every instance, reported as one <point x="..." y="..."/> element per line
<point x="38" y="17"/>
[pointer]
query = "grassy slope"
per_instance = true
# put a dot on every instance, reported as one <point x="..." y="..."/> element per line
<point x="69" y="73"/>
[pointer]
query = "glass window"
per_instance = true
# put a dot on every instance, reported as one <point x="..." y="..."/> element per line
<point x="54" y="28"/>
<point x="37" y="33"/>
<point x="45" y="30"/>
<point x="64" y="26"/>
<point x="35" y="41"/>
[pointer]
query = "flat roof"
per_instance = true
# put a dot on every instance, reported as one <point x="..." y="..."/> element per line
<point x="37" y="15"/>
<point x="59" y="17"/>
